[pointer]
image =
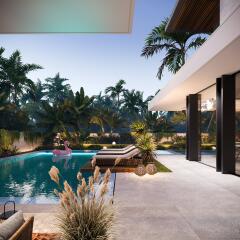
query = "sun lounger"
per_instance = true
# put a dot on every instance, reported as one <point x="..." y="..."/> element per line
<point x="130" y="154"/>
<point x="117" y="151"/>
<point x="127" y="159"/>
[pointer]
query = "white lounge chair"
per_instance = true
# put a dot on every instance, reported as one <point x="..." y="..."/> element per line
<point x="114" y="155"/>
<point x="116" y="151"/>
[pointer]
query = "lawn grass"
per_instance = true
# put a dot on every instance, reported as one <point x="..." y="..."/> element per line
<point x="161" y="167"/>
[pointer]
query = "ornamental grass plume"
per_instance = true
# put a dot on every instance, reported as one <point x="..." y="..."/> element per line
<point x="93" y="162"/>
<point x="117" y="161"/>
<point x="86" y="214"/>
<point x="54" y="174"/>
<point x="79" y="176"/>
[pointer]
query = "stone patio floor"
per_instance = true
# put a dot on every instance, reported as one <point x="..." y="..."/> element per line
<point x="191" y="203"/>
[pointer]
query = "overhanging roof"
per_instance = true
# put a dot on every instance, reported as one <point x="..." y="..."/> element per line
<point x="217" y="56"/>
<point x="64" y="16"/>
<point x="199" y="16"/>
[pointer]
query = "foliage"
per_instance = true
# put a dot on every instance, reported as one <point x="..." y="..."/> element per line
<point x="13" y="75"/>
<point x="51" y="118"/>
<point x="32" y="137"/>
<point x="81" y="146"/>
<point x="116" y="91"/>
<point x="147" y="145"/>
<point x="6" y="140"/>
<point x="179" y="118"/>
<point x="138" y="128"/>
<point x="178" y="139"/>
<point x="50" y="106"/>
<point x="86" y="213"/>
<point x="175" y="47"/>
<point x="57" y="91"/>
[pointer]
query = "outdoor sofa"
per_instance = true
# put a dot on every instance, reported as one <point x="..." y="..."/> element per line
<point x="16" y="228"/>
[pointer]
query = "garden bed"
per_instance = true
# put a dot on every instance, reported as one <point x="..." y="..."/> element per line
<point x="122" y="169"/>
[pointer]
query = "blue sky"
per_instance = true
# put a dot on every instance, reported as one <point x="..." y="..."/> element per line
<point x="96" y="61"/>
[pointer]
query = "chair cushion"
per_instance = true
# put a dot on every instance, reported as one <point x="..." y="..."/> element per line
<point x="11" y="225"/>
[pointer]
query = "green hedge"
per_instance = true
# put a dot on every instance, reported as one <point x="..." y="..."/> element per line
<point x="82" y="147"/>
<point x="182" y="146"/>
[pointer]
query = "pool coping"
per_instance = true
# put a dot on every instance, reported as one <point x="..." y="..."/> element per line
<point x="45" y="151"/>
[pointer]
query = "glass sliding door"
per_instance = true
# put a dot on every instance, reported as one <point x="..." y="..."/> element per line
<point x="237" y="135"/>
<point x="208" y="126"/>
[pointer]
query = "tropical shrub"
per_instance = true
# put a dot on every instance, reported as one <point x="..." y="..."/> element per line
<point x="179" y="139"/>
<point x="147" y="145"/>
<point x="85" y="213"/>
<point x="5" y="139"/>
<point x="138" y="128"/>
<point x="6" y="142"/>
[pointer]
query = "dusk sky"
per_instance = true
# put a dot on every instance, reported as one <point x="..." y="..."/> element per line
<point x="96" y="61"/>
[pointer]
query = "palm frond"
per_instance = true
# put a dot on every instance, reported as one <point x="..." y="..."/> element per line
<point x="197" y="42"/>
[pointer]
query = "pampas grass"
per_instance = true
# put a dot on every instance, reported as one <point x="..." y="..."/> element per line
<point x="86" y="214"/>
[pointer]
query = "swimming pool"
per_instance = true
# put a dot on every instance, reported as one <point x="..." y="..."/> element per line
<point x="24" y="178"/>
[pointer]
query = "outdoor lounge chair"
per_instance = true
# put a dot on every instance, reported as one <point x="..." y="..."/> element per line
<point x="16" y="228"/>
<point x="108" y="159"/>
<point x="116" y="150"/>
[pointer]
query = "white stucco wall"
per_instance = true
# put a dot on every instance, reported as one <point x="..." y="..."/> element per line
<point x="227" y="7"/>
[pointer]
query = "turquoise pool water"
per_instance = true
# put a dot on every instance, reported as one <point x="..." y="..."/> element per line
<point x="25" y="178"/>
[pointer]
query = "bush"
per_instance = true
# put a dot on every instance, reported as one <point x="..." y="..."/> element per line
<point x="93" y="147"/>
<point x="81" y="147"/>
<point x="125" y="138"/>
<point x="179" y="146"/>
<point x="6" y="142"/>
<point x="138" y="128"/>
<point x="164" y="146"/>
<point x="147" y="145"/>
<point x="85" y="213"/>
<point x="207" y="146"/>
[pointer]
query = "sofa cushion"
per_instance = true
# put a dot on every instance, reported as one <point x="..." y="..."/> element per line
<point x="11" y="225"/>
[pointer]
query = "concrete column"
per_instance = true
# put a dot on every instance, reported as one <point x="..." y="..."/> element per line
<point x="227" y="121"/>
<point x="193" y="127"/>
<point x="219" y="125"/>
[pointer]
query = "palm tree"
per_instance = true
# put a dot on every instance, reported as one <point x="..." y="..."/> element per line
<point x="132" y="101"/>
<point x="35" y="94"/>
<point x="32" y="100"/>
<point x="51" y="119"/>
<point x="57" y="91"/>
<point x="111" y="118"/>
<point x="13" y="75"/>
<point x="176" y="45"/>
<point x="116" y="91"/>
<point x="143" y="104"/>
<point x="104" y="101"/>
<point x="98" y="120"/>
<point x="3" y="101"/>
<point x="81" y="108"/>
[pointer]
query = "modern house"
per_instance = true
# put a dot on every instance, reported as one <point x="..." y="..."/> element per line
<point x="209" y="79"/>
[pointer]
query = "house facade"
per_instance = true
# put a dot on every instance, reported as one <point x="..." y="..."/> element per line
<point x="209" y="80"/>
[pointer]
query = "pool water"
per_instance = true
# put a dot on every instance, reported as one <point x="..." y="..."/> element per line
<point x="25" y="178"/>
